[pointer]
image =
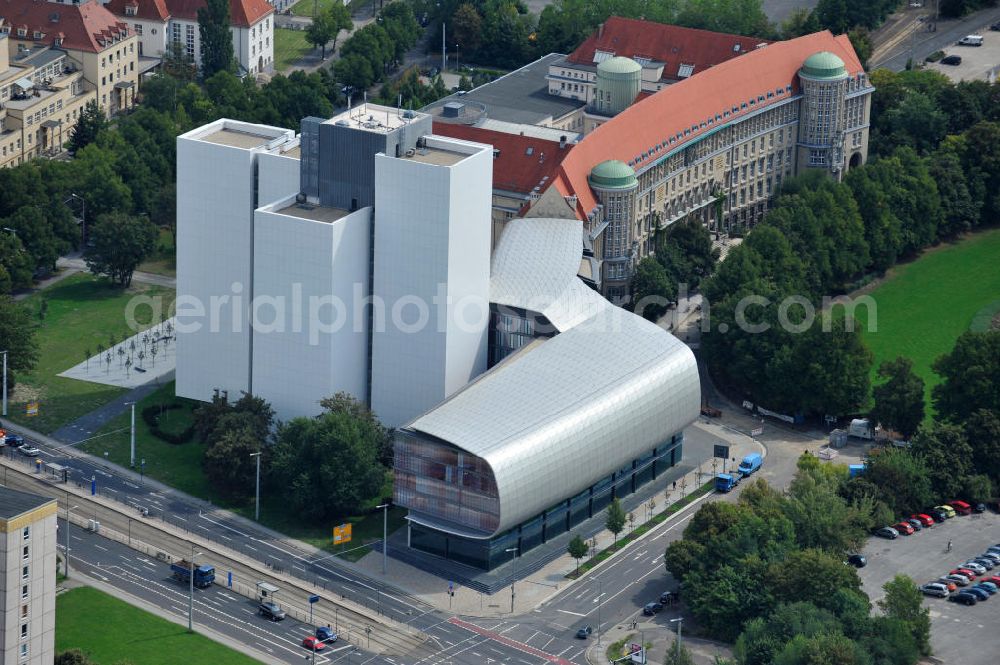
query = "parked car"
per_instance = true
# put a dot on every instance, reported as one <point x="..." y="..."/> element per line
<point x="971" y="40"/>
<point x="925" y="520"/>
<point x="29" y="450"/>
<point x="915" y="523"/>
<point x="668" y="598"/>
<point x="961" y="507"/>
<point x="313" y="643"/>
<point x="857" y="560"/>
<point x="904" y="528"/>
<point x="995" y="26"/>
<point x="988" y="564"/>
<point x="584" y="633"/>
<point x="964" y="572"/>
<point x="995" y="579"/>
<point x="651" y="608"/>
<point x="271" y="611"/>
<point x="963" y="597"/>
<point x="972" y="565"/>
<point x="952" y="60"/>
<point x="960" y="580"/>
<point x="935" y="589"/>
<point x="992" y="556"/>
<point x="980" y="594"/>
<point x="938" y="515"/>
<point x="948" y="511"/>
<point x="989" y="586"/>
<point x="887" y="532"/>
<point x="948" y="584"/>
<point x="979" y="508"/>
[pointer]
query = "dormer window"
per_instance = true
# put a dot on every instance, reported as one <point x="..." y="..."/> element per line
<point x="130" y="10"/>
<point x="22" y="32"/>
<point x="58" y="41"/>
<point x="37" y="34"/>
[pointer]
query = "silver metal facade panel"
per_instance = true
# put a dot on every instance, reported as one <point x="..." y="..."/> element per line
<point x="562" y="414"/>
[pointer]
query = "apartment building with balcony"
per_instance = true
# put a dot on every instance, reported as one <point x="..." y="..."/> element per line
<point x="41" y="96"/>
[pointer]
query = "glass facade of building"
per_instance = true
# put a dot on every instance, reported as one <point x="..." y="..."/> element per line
<point x="557" y="520"/>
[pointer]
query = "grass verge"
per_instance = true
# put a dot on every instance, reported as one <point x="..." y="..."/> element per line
<point x="179" y="465"/>
<point x="289" y="47"/>
<point x="176" y="465"/>
<point x="81" y="312"/>
<point x="641" y="529"/>
<point x="923" y="306"/>
<point x="111" y="631"/>
<point x="617" y="650"/>
<point x="164" y="258"/>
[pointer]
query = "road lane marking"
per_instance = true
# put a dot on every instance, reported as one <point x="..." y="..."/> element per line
<point x="576" y="614"/>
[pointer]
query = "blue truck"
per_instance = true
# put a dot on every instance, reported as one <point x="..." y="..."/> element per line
<point x="750" y="464"/>
<point x="725" y="482"/>
<point x="203" y="575"/>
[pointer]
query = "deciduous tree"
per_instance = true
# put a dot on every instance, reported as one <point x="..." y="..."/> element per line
<point x="119" y="243"/>
<point x="899" y="399"/>
<point x="577" y="548"/>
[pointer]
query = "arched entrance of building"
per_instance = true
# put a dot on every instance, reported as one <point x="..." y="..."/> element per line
<point x="855" y="160"/>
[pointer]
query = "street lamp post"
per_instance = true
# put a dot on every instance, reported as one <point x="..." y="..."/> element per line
<point x="68" y="508"/>
<point x="142" y="471"/>
<point x="513" y="559"/>
<point x="4" y="383"/>
<point x="385" y="540"/>
<point x="131" y="455"/>
<point x="679" y="621"/>
<point x="256" y="502"/>
<point x="83" y="217"/>
<point x="191" y="590"/>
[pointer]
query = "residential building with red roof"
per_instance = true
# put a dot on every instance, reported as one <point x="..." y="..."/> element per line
<point x="83" y="47"/>
<point x="161" y="24"/>
<point x="666" y="54"/>
<point x="523" y="167"/>
<point x="716" y="145"/>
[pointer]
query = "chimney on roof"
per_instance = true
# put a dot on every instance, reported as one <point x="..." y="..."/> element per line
<point x="562" y="142"/>
<point x="600" y="30"/>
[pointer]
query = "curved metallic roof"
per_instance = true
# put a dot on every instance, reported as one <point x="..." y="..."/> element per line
<point x="823" y="65"/>
<point x="534" y="268"/>
<point x="563" y="413"/>
<point x="619" y="67"/>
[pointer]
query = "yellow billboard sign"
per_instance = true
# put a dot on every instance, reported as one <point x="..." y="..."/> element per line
<point x="31" y="409"/>
<point x="342" y="534"/>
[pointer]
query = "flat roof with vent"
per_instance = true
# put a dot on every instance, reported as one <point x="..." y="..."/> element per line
<point x="313" y="212"/>
<point x="436" y="156"/>
<point x="236" y="138"/>
<point x="237" y="134"/>
<point x="374" y="118"/>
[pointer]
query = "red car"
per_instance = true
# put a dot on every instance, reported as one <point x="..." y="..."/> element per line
<point x="964" y="572"/>
<point x="961" y="507"/>
<point x="926" y="520"/>
<point x="903" y="528"/>
<point x="992" y="578"/>
<point x="313" y="644"/>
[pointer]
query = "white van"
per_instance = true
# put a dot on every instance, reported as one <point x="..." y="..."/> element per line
<point x="971" y="40"/>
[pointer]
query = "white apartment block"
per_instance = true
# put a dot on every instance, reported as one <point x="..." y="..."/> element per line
<point x="27" y="578"/>
<point x="352" y="258"/>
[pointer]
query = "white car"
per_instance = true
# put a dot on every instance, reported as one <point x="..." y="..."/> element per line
<point x="975" y="567"/>
<point x="971" y="40"/>
<point x="960" y="580"/>
<point x="29" y="451"/>
<point x="935" y="589"/>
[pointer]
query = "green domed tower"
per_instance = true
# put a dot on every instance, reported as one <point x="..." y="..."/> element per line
<point x="824" y="80"/>
<point x="618" y="83"/>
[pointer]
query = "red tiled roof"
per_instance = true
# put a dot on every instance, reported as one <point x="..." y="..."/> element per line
<point x="150" y="10"/>
<point x="514" y="170"/>
<point x="83" y="26"/>
<point x="644" y="126"/>
<point x="670" y="44"/>
<point x="243" y="13"/>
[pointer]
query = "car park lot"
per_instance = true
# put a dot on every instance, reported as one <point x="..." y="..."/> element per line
<point x="978" y="62"/>
<point x="924" y="557"/>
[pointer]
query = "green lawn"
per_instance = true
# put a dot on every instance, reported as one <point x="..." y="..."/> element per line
<point x="164" y="259"/>
<point x="82" y="312"/>
<point x="177" y="465"/>
<point x="110" y="630"/>
<point x="923" y="306"/>
<point x="289" y="47"/>
<point x="306" y="7"/>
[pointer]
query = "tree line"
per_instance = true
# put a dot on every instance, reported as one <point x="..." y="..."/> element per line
<point x="328" y="467"/>
<point x="768" y="573"/>
<point x="933" y="175"/>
